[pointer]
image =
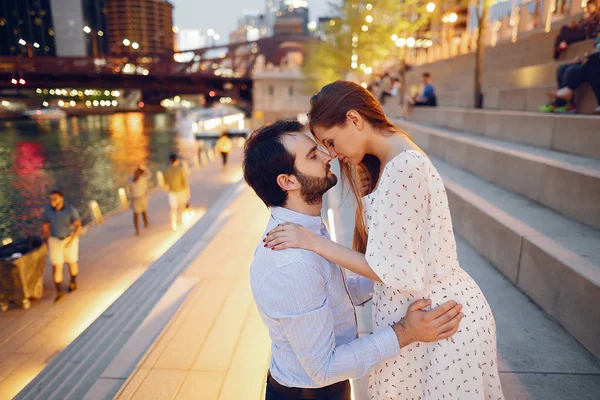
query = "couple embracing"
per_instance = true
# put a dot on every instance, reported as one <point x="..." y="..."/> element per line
<point x="434" y="333"/>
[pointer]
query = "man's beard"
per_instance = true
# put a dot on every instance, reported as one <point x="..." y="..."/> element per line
<point x="313" y="188"/>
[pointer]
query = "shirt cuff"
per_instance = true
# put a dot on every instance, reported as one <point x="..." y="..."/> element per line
<point x="387" y="343"/>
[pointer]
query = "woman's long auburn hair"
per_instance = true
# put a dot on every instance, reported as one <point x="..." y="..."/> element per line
<point x="329" y="108"/>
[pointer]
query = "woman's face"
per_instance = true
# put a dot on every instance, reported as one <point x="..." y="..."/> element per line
<point x="344" y="142"/>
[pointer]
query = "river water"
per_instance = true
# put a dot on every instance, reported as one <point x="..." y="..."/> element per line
<point x="86" y="158"/>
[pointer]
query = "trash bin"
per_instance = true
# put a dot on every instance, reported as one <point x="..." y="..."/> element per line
<point x="22" y="266"/>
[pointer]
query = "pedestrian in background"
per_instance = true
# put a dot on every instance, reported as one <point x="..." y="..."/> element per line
<point x="176" y="183"/>
<point x="62" y="225"/>
<point x="224" y="146"/>
<point x="137" y="190"/>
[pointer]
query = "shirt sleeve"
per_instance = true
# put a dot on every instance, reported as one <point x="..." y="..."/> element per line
<point x="74" y="214"/>
<point x="296" y="296"/>
<point x="45" y="216"/>
<point x="428" y="91"/>
<point x="361" y="289"/>
<point x="394" y="246"/>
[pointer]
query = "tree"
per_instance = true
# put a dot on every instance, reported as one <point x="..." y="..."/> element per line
<point x="481" y="8"/>
<point x="359" y="37"/>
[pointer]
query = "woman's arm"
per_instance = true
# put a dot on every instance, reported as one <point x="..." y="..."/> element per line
<point x="291" y="235"/>
<point x="345" y="257"/>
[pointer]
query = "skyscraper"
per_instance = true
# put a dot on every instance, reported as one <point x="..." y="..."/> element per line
<point x="144" y="26"/>
<point x="26" y="28"/>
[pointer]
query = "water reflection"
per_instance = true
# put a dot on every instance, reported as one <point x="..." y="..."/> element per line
<point x="87" y="158"/>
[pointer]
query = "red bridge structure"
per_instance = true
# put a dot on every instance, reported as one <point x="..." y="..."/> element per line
<point x="222" y="70"/>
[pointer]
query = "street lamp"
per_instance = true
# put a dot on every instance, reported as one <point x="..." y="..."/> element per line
<point x="22" y="42"/>
<point x="365" y="28"/>
<point x="126" y="42"/>
<point x="135" y="45"/>
<point x="430" y="7"/>
<point x="87" y="29"/>
<point x="369" y="18"/>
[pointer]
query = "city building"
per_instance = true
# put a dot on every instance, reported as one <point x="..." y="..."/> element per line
<point x="144" y="26"/>
<point x="190" y="39"/>
<point x="94" y="21"/>
<point x="251" y="26"/>
<point x="26" y="28"/>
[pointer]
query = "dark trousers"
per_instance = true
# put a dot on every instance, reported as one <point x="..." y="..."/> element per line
<point x="574" y="75"/>
<point x="224" y="157"/>
<point x="430" y="102"/>
<point x="568" y="35"/>
<point x="273" y="394"/>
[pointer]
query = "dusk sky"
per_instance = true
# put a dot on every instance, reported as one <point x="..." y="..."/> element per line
<point x="222" y="15"/>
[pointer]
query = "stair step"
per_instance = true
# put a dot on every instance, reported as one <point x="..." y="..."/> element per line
<point x="576" y="134"/>
<point x="553" y="260"/>
<point x="566" y="183"/>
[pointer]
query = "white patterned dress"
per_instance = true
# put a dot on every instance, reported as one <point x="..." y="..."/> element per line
<point x="412" y="249"/>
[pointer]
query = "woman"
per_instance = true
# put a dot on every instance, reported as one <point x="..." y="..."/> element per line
<point x="404" y="241"/>
<point x="137" y="190"/>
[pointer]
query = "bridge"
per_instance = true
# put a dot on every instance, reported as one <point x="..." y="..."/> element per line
<point x="222" y="70"/>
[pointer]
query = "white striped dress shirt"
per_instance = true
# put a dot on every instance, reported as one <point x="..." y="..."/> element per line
<point x="307" y="304"/>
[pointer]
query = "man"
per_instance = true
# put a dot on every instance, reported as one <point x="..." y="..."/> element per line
<point x="428" y="98"/>
<point x="306" y="301"/>
<point x="176" y="183"/>
<point x="62" y="224"/>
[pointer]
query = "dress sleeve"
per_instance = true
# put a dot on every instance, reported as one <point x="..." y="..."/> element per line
<point x="399" y="212"/>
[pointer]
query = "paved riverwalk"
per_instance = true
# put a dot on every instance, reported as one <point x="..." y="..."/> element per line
<point x="111" y="259"/>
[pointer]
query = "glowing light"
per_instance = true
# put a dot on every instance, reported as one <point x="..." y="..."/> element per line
<point x="430" y="7"/>
<point x="14" y="81"/>
<point x="6" y="241"/>
<point x="331" y="221"/>
<point x="369" y="18"/>
<point x="175" y="29"/>
<point x="394" y="37"/>
<point x="87" y="29"/>
<point x="114" y="103"/>
<point x="363" y="66"/>
<point x="107" y="93"/>
<point x="22" y="42"/>
<point x="410" y="42"/>
<point x="22" y="81"/>
<point x="100" y="33"/>
<point x="210" y="32"/>
<point x="36" y="45"/>
<point x="216" y="36"/>
<point x="96" y="103"/>
<point x="212" y="93"/>
<point x="123" y="198"/>
<point x="61" y="103"/>
<point x="45" y="104"/>
<point x="364" y="84"/>
<point x="140" y="104"/>
<point x="369" y="6"/>
<point x="312" y="25"/>
<point x="135" y="45"/>
<point x="72" y="103"/>
<point x="364" y="28"/>
<point x="126" y="42"/>
<point x="368" y="70"/>
<point x="38" y="90"/>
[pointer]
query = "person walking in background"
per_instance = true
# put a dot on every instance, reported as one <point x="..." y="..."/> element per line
<point x="176" y="183"/>
<point x="224" y="146"/>
<point x="137" y="190"/>
<point x="61" y="226"/>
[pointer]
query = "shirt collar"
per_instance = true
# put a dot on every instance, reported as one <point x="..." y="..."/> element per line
<point x="281" y="215"/>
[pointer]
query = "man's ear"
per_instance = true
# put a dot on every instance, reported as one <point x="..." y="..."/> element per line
<point x="288" y="182"/>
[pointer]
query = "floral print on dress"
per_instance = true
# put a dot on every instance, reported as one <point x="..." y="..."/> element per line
<point x="411" y="247"/>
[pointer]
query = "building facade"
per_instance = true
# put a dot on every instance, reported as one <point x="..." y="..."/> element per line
<point x="26" y="28"/>
<point x="140" y="26"/>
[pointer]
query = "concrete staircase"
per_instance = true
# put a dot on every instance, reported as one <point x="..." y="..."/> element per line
<point x="524" y="203"/>
<point x="516" y="76"/>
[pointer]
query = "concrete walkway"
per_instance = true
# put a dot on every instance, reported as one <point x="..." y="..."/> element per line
<point x="216" y="346"/>
<point x="111" y="259"/>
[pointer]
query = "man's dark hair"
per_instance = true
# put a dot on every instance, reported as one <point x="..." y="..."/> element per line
<point x="426" y="75"/>
<point x="58" y="192"/>
<point x="265" y="158"/>
<point x="173" y="157"/>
